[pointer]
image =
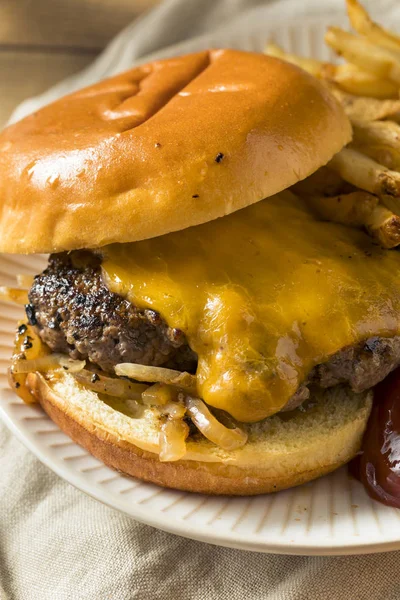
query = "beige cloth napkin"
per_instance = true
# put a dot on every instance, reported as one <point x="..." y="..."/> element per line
<point x="58" y="544"/>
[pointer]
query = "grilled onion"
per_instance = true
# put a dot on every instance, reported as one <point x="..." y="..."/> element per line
<point x="172" y="440"/>
<point x="159" y="394"/>
<point x="157" y="375"/>
<point x="120" y="388"/>
<point x="212" y="429"/>
<point x="48" y="363"/>
<point x="175" y="410"/>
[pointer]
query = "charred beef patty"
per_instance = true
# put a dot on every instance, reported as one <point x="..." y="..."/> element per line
<point x="75" y="313"/>
<point x="361" y="367"/>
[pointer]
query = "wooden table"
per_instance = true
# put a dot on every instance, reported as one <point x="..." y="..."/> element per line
<point x="44" y="41"/>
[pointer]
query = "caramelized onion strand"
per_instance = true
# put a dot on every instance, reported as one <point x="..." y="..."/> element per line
<point x="48" y="363"/>
<point x="211" y="428"/>
<point x="172" y="440"/>
<point x="119" y="388"/>
<point x="156" y="375"/>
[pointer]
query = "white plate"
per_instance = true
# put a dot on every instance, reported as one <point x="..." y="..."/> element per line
<point x="330" y="516"/>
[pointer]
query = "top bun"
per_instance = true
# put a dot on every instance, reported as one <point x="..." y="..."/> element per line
<point x="164" y="146"/>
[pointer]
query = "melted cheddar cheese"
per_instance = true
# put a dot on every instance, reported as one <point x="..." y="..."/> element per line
<point x="263" y="295"/>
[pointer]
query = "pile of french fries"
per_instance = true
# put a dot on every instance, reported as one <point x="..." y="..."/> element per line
<point x="360" y="187"/>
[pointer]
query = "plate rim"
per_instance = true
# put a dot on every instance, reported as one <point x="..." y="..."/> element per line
<point x="173" y="525"/>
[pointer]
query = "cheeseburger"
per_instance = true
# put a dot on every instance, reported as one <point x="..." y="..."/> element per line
<point x="198" y="325"/>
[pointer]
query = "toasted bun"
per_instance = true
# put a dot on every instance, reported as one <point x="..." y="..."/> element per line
<point x="282" y="451"/>
<point x="164" y="146"/>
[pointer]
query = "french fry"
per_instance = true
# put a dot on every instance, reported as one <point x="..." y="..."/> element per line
<point x="366" y="109"/>
<point x="360" y="209"/>
<point x="365" y="173"/>
<point x="350" y="209"/>
<point x="361" y="185"/>
<point x="384" y="155"/>
<point x="391" y="203"/>
<point x="323" y="182"/>
<point x="348" y="77"/>
<point x="383" y="63"/>
<point x="355" y="81"/>
<point x="386" y="133"/>
<point x="384" y="226"/>
<point x="308" y="64"/>
<point x="379" y="140"/>
<point x="363" y="24"/>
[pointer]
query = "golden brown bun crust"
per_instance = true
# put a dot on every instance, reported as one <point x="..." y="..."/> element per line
<point x="162" y="147"/>
<point x="194" y="476"/>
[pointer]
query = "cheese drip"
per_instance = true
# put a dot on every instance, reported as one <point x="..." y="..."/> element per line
<point x="263" y="295"/>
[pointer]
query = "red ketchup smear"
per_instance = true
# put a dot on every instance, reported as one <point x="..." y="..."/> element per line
<point x="378" y="466"/>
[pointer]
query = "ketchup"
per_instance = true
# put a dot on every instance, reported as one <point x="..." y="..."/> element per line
<point x="378" y="465"/>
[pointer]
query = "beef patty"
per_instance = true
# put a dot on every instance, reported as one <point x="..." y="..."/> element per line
<point x="75" y="313"/>
<point x="361" y="367"/>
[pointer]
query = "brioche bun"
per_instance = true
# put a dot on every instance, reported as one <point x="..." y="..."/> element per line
<point x="162" y="147"/>
<point x="282" y="451"/>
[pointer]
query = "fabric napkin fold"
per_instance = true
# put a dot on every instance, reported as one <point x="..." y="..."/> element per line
<point x="58" y="544"/>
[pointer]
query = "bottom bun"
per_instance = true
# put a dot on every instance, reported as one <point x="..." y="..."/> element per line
<point x="282" y="451"/>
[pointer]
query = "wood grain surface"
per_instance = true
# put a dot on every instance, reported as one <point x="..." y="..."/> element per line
<point x="44" y="41"/>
